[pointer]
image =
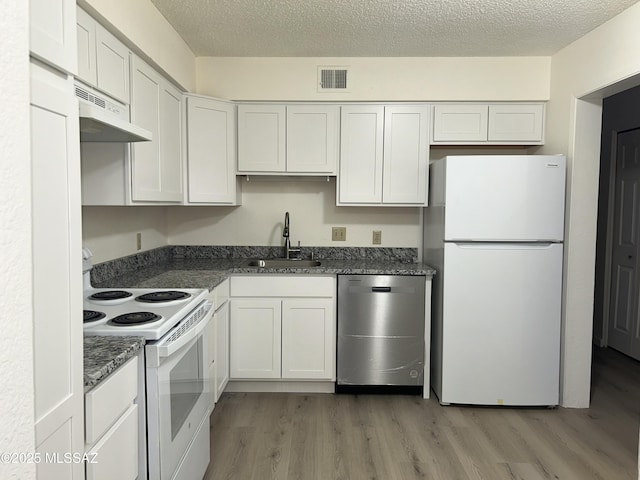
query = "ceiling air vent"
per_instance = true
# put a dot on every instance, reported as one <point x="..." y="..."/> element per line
<point x="332" y="79"/>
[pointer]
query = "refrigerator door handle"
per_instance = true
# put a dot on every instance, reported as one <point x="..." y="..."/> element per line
<point x="505" y="245"/>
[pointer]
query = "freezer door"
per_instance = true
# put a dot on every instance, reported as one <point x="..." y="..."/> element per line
<point x="504" y="198"/>
<point x="501" y="324"/>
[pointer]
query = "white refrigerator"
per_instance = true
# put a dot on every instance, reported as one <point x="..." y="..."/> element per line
<point x="494" y="231"/>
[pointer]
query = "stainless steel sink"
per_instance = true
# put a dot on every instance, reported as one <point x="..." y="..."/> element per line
<point x="284" y="263"/>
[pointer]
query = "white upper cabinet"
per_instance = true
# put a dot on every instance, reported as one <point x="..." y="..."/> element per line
<point x="103" y="60"/>
<point x="211" y="152"/>
<point x="288" y="139"/>
<point x="493" y="124"/>
<point x="261" y="138"/>
<point x="312" y="138"/>
<point x="460" y="123"/>
<point x="361" y="141"/>
<point x="86" y="34"/>
<point x="156" y="166"/>
<point x="405" y="171"/>
<point x="516" y="123"/>
<point x="52" y="30"/>
<point x="384" y="155"/>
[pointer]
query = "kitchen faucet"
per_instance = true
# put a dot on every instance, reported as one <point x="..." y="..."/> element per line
<point x="288" y="251"/>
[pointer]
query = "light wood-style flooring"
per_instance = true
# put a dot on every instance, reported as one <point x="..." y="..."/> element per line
<point x="300" y="436"/>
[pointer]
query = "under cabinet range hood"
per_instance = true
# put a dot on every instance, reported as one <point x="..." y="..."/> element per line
<point x="103" y="119"/>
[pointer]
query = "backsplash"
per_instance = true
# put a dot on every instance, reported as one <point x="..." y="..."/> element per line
<point x="113" y="268"/>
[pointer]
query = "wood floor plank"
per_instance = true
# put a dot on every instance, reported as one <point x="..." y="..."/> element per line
<point x="395" y="437"/>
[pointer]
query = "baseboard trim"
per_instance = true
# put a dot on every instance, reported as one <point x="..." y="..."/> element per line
<point x="280" y="386"/>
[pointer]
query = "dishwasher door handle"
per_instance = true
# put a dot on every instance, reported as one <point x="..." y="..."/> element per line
<point x="380" y="289"/>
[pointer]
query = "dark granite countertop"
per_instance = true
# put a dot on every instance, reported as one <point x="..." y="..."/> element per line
<point x="104" y="354"/>
<point x="207" y="267"/>
<point x="210" y="272"/>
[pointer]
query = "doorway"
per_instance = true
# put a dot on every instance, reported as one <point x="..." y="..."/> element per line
<point x="617" y="282"/>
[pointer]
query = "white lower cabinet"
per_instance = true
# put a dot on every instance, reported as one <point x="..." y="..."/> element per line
<point x="221" y="322"/>
<point x="255" y="339"/>
<point x="219" y="342"/>
<point x="307" y="335"/>
<point x="111" y="426"/>
<point x="282" y="327"/>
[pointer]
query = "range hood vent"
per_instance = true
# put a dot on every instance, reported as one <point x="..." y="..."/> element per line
<point x="106" y="120"/>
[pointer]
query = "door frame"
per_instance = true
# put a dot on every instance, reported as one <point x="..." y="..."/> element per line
<point x="619" y="114"/>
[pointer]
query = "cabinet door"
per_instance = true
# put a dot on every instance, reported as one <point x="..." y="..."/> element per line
<point x="254" y="346"/>
<point x="116" y="453"/>
<point x="516" y="123"/>
<point x="211" y="336"/>
<point x="261" y="138"/>
<point x="459" y="123"/>
<point x="308" y="339"/>
<point x="211" y="151"/>
<point x="221" y="349"/>
<point x="312" y="138"/>
<point x="406" y="154"/>
<point x="156" y="165"/>
<point x="361" y="142"/>
<point x="112" y="58"/>
<point x="170" y="143"/>
<point x="86" y="35"/>
<point x="145" y="111"/>
<point x="57" y="268"/>
<point x="52" y="29"/>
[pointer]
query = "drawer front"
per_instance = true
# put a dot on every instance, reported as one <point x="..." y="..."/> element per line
<point x="105" y="403"/>
<point x="283" y="286"/>
<point x="116" y="454"/>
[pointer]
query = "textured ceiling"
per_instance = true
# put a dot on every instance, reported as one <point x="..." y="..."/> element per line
<point x="384" y="28"/>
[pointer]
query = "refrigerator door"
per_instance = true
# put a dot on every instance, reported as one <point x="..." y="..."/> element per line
<point x="504" y="198"/>
<point x="501" y="324"/>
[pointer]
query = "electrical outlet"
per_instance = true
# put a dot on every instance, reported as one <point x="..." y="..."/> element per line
<point x="139" y="241"/>
<point x="338" y="234"/>
<point x="377" y="237"/>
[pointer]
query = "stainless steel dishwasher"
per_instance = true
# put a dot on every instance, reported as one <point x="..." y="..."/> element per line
<point x="380" y="330"/>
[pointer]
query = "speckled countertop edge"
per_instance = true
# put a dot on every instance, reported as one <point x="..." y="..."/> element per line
<point x="209" y="273"/>
<point x="104" y="354"/>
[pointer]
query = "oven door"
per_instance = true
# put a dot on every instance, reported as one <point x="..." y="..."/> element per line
<point x="178" y="396"/>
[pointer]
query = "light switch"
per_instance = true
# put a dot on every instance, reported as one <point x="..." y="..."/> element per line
<point x="339" y="234"/>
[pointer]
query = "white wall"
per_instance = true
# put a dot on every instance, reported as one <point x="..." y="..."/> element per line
<point x="143" y="25"/>
<point x="16" y="341"/>
<point x="372" y="79"/>
<point x="110" y="232"/>
<point x="588" y="67"/>
<point x="312" y="208"/>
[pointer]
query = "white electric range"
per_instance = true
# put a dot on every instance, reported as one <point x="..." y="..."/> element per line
<point x="145" y="312"/>
<point x="176" y="357"/>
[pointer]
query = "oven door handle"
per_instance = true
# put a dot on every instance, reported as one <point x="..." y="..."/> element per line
<point x="165" y="350"/>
